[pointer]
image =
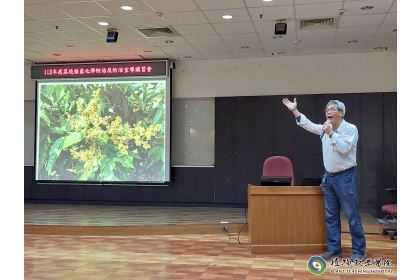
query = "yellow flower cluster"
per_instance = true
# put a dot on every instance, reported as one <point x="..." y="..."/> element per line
<point x="143" y="135"/>
<point x="91" y="124"/>
<point x="47" y="107"/>
<point x="120" y="134"/>
<point x="91" y="157"/>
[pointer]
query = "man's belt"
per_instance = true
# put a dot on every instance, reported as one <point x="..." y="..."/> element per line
<point x="340" y="172"/>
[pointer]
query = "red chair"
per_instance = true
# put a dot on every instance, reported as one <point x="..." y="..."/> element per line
<point x="391" y="209"/>
<point x="279" y="166"/>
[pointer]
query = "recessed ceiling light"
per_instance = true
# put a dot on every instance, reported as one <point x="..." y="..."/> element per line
<point x="367" y="8"/>
<point x="227" y="16"/>
<point x="104" y="23"/>
<point x="126" y="8"/>
<point x="169" y="41"/>
<point x="267" y="0"/>
<point x="340" y="11"/>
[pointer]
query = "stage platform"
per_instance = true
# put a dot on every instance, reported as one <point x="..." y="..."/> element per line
<point x="101" y="220"/>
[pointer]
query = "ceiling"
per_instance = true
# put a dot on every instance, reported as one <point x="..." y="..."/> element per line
<point x="59" y="31"/>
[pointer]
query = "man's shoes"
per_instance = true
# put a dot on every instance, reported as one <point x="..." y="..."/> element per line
<point x="359" y="257"/>
<point x="331" y="254"/>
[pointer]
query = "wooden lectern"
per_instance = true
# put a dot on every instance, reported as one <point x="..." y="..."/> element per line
<point x="286" y="219"/>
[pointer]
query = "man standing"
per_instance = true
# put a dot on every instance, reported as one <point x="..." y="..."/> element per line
<point x="339" y="147"/>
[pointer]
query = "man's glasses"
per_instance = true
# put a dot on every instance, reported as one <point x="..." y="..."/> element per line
<point x="331" y="110"/>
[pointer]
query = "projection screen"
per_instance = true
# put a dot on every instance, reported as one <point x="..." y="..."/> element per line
<point x="103" y="129"/>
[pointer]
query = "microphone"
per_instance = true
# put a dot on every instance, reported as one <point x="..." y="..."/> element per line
<point x="323" y="132"/>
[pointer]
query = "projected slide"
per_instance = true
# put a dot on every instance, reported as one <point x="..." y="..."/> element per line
<point x="108" y="131"/>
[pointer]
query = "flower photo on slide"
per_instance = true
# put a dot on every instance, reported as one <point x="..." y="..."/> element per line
<point x="104" y="131"/>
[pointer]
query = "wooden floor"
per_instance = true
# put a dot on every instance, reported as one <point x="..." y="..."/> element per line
<point x="113" y="242"/>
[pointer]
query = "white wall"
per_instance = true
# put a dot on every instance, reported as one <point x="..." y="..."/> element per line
<point x="289" y="75"/>
<point x="29" y="85"/>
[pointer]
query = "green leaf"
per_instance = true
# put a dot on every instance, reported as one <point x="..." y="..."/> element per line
<point x="91" y="173"/>
<point x="51" y="117"/>
<point x="158" y="116"/>
<point x="54" y="154"/>
<point x="105" y="139"/>
<point x="160" y="86"/>
<point x="162" y="171"/>
<point x="65" y="126"/>
<point x="107" y="171"/>
<point x="78" y="176"/>
<point x="150" y="163"/>
<point x="125" y="177"/>
<point x="125" y="107"/>
<point x="127" y="161"/>
<point x="57" y="130"/>
<point x="153" y="151"/>
<point x="134" y="155"/>
<point x="158" y="100"/>
<point x="151" y="113"/>
<point x="84" y="177"/>
<point x="73" y="138"/>
<point x="131" y="87"/>
<point x="156" y="157"/>
<point x="57" y="94"/>
<point x="102" y="104"/>
<point x="44" y="117"/>
<point x="131" y="98"/>
<point x="42" y="149"/>
<point x="46" y="100"/>
<point x="70" y="161"/>
<point x="162" y="155"/>
<point x="79" y="167"/>
<point x="62" y="93"/>
<point x="141" y="103"/>
<point x="108" y="150"/>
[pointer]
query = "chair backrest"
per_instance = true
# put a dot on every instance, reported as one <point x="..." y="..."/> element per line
<point x="279" y="166"/>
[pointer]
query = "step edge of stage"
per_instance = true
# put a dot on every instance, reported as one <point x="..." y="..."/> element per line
<point x="132" y="230"/>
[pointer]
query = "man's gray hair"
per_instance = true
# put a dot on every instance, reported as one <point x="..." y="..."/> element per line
<point x="340" y="105"/>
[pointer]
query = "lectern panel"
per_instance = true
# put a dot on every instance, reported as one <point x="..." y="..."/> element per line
<point x="286" y="219"/>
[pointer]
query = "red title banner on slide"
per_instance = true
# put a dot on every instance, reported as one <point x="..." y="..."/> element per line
<point x="96" y="70"/>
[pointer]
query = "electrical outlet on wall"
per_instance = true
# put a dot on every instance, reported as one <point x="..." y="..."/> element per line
<point x="225" y="226"/>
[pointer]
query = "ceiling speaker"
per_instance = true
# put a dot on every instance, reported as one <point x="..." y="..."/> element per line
<point x="280" y="28"/>
<point x="112" y="37"/>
